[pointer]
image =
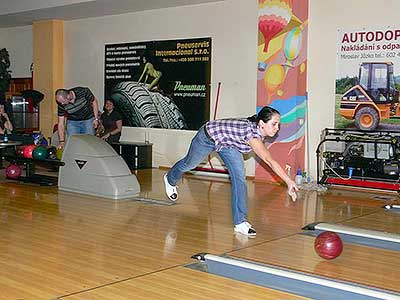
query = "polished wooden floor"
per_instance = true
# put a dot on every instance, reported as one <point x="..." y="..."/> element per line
<point x="58" y="245"/>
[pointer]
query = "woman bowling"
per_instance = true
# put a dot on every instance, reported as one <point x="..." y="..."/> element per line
<point x="231" y="138"/>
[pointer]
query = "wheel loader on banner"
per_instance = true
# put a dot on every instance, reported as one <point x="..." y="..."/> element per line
<point x="374" y="98"/>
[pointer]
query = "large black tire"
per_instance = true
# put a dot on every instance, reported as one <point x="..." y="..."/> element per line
<point x="142" y="108"/>
<point x="367" y="118"/>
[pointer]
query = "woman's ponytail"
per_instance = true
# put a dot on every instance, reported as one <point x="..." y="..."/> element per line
<point x="253" y="118"/>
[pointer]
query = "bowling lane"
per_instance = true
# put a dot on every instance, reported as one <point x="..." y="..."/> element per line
<point x="357" y="264"/>
<point x="382" y="220"/>
<point x="299" y="283"/>
<point x="357" y="235"/>
<point x="181" y="283"/>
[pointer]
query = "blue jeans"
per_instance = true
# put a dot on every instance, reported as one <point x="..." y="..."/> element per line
<point x="80" y="127"/>
<point x="199" y="148"/>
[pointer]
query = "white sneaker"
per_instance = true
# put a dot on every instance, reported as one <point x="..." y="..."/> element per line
<point x="170" y="190"/>
<point x="244" y="228"/>
<point x="248" y="224"/>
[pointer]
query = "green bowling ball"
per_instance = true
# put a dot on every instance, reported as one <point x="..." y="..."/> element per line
<point x="40" y="153"/>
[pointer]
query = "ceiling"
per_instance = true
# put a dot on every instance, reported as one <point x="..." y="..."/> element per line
<point x="25" y="12"/>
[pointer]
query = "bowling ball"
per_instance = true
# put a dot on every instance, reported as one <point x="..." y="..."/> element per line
<point x="51" y="153"/>
<point x="59" y="153"/>
<point x="40" y="153"/>
<point x="20" y="151"/>
<point x="13" y="171"/>
<point x="328" y="245"/>
<point x="28" y="151"/>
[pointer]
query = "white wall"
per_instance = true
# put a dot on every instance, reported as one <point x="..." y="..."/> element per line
<point x="232" y="25"/>
<point x="18" y="42"/>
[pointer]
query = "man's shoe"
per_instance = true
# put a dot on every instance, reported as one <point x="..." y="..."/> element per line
<point x="245" y="228"/>
<point x="170" y="190"/>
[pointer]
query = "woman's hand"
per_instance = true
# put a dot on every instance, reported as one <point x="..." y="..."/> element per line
<point x="106" y="136"/>
<point x="292" y="189"/>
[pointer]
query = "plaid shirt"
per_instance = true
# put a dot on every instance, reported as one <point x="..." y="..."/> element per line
<point x="234" y="133"/>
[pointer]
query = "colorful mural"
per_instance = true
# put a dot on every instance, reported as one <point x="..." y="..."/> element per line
<point x="281" y="78"/>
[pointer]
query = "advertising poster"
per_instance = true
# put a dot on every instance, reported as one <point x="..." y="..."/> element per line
<point x="281" y="79"/>
<point x="367" y="79"/>
<point x="160" y="84"/>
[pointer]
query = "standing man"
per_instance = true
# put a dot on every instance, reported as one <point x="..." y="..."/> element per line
<point x="79" y="108"/>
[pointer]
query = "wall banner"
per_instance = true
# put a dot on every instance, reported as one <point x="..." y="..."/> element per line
<point x="282" y="78"/>
<point x="160" y="84"/>
<point x="367" y="79"/>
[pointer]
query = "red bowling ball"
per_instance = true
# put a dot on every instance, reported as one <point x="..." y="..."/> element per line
<point x="20" y="151"/>
<point x="328" y="245"/>
<point x="28" y="151"/>
<point x="13" y="171"/>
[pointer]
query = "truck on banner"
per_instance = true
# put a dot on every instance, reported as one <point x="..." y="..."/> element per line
<point x="367" y="79"/>
<point x="160" y="84"/>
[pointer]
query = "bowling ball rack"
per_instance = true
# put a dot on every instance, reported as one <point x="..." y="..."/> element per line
<point x="31" y="176"/>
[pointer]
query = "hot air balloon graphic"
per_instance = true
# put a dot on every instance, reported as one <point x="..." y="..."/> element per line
<point x="262" y="65"/>
<point x="273" y="16"/>
<point x="274" y="77"/>
<point x="292" y="45"/>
